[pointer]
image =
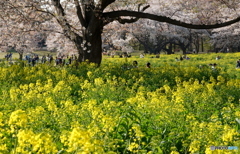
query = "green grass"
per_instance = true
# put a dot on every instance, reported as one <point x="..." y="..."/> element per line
<point x="41" y="53"/>
<point x="16" y="55"/>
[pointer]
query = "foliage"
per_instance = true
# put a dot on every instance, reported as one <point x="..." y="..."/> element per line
<point x="173" y="107"/>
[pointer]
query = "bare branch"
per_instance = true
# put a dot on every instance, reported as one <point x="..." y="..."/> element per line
<point x="62" y="21"/>
<point x="79" y="13"/>
<point x="132" y="20"/>
<point x="105" y="3"/>
<point x="116" y="14"/>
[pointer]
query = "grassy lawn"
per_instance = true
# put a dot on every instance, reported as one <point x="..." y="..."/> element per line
<point x="15" y="55"/>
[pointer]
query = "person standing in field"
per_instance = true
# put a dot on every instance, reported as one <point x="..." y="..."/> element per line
<point x="44" y="59"/>
<point x="51" y="59"/>
<point x="70" y="60"/>
<point x="148" y="65"/>
<point x="66" y="60"/>
<point x="181" y="58"/>
<point x="141" y="56"/>
<point x="238" y="63"/>
<point x="218" y="57"/>
<point x="135" y="64"/>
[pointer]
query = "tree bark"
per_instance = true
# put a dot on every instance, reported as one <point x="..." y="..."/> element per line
<point x="20" y="56"/>
<point x="96" y="48"/>
<point x="116" y="14"/>
<point x="197" y="45"/>
<point x="90" y="45"/>
<point x="171" y="48"/>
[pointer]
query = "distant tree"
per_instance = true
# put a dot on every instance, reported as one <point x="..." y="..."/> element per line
<point x="227" y="37"/>
<point x="156" y="37"/>
<point x="151" y="35"/>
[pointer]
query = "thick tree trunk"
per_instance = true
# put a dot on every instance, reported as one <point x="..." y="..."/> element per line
<point x="90" y="45"/>
<point x="190" y="41"/>
<point x="96" y="46"/>
<point x="170" y="48"/>
<point x="90" y="52"/>
<point x="20" y="56"/>
<point x="174" y="48"/>
<point x="197" y="45"/>
<point x="184" y="50"/>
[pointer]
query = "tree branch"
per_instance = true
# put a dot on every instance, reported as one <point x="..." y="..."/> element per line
<point x="68" y="32"/>
<point x="58" y="7"/>
<point x="132" y="20"/>
<point x="105" y="3"/>
<point x="117" y="14"/>
<point x="79" y="13"/>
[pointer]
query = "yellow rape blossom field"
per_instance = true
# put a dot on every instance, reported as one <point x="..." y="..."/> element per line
<point x="174" y="107"/>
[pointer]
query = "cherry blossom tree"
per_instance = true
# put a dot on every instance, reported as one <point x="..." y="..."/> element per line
<point x="56" y="42"/>
<point x="226" y="38"/>
<point x="156" y="37"/>
<point x="151" y="38"/>
<point x="17" y="40"/>
<point x="82" y="21"/>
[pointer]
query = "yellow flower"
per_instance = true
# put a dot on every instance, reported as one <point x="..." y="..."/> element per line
<point x="3" y="147"/>
<point x="133" y="146"/>
<point x="51" y="104"/>
<point x="98" y="81"/>
<point x="89" y="74"/>
<point x="82" y="141"/>
<point x="18" y="118"/>
<point x="229" y="134"/>
<point x="138" y="132"/>
<point x="28" y="142"/>
<point x="194" y="146"/>
<point x="86" y="85"/>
